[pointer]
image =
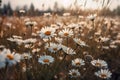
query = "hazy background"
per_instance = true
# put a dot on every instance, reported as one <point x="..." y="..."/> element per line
<point x="61" y="3"/>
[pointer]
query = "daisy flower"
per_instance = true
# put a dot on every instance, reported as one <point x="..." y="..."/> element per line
<point x="5" y="50"/>
<point x="72" y="25"/>
<point x="47" y="14"/>
<point x="66" y="14"/>
<point x="2" y="60"/>
<point x="92" y="17"/>
<point x="13" y="58"/>
<point x="103" y="73"/>
<point x="35" y="50"/>
<point x="80" y="42"/>
<point x="105" y="47"/>
<point x="16" y="37"/>
<point x="99" y="63"/>
<point x="68" y="50"/>
<point x="16" y="40"/>
<point x="78" y="62"/>
<point x="2" y="46"/>
<point x="47" y="32"/>
<point x="30" y="23"/>
<point x="53" y="47"/>
<point x="45" y="40"/>
<point x="59" y="40"/>
<point x="66" y="33"/>
<point x="113" y="46"/>
<point x="104" y="39"/>
<point x="55" y="26"/>
<point x="22" y="11"/>
<point x="74" y="73"/>
<point x="8" y="24"/>
<point x="30" y="40"/>
<point x="46" y="59"/>
<point x="27" y="45"/>
<point x="34" y="34"/>
<point x="26" y="56"/>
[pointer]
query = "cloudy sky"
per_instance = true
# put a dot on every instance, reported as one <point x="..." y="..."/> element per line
<point x="65" y="3"/>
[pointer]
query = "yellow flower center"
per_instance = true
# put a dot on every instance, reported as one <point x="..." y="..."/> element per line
<point x="74" y="74"/>
<point x="77" y="63"/>
<point x="55" y="49"/>
<point x="97" y="64"/>
<point x="48" y="33"/>
<point x="46" y="60"/>
<point x="25" y="57"/>
<point x="66" y="34"/>
<point x="10" y="56"/>
<point x="103" y="75"/>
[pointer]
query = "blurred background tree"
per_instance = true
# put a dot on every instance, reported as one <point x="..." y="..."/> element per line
<point x="117" y="11"/>
<point x="31" y="10"/>
<point x="0" y="2"/>
<point x="7" y="10"/>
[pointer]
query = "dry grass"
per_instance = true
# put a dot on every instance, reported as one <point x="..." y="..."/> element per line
<point x="58" y="70"/>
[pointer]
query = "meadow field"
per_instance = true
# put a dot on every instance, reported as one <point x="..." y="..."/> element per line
<point x="60" y="47"/>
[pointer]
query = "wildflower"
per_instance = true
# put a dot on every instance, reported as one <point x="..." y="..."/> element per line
<point x="13" y="58"/>
<point x="54" y="26"/>
<point x="22" y="11"/>
<point x="30" y="23"/>
<point x="104" y="39"/>
<point x="26" y="56"/>
<point x="116" y="42"/>
<point x="47" y="32"/>
<point x="74" y="73"/>
<point x="8" y="25"/>
<point x="2" y="47"/>
<point x="46" y="59"/>
<point x="34" y="34"/>
<point x="59" y="40"/>
<point x="39" y="43"/>
<point x="47" y="14"/>
<point x="68" y="50"/>
<point x="66" y="14"/>
<point x="80" y="42"/>
<point x="17" y="37"/>
<point x="4" y="51"/>
<point x="78" y="62"/>
<point x="105" y="47"/>
<point x="2" y="60"/>
<point x="45" y="40"/>
<point x="99" y="63"/>
<point x="53" y="47"/>
<point x="27" y="45"/>
<point x="103" y="73"/>
<point x="16" y="40"/>
<point x="59" y="24"/>
<point x="35" y="50"/>
<point x="72" y="26"/>
<point x="29" y="41"/>
<point x="66" y="33"/>
<point x="113" y="46"/>
<point x="92" y="17"/>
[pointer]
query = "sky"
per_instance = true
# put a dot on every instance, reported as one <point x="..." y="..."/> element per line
<point x="65" y="3"/>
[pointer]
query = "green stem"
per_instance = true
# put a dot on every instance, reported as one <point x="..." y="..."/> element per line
<point x="57" y="67"/>
<point x="67" y="41"/>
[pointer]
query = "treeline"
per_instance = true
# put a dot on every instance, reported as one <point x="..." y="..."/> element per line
<point x="31" y="11"/>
